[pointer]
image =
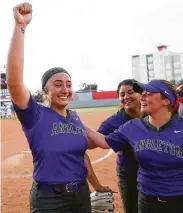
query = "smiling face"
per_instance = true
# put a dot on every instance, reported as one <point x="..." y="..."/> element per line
<point x="153" y="102"/>
<point x="59" y="90"/>
<point x="128" y="98"/>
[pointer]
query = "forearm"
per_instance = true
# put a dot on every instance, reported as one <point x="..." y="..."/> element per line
<point x="19" y="93"/>
<point x="92" y="178"/>
<point x="95" y="138"/>
<point x="16" y="58"/>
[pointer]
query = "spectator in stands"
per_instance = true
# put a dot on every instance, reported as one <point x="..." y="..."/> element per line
<point x="8" y="112"/>
<point x="13" y="111"/>
<point x="2" y="111"/>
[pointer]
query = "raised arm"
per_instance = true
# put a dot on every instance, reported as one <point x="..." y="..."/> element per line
<point x="18" y="91"/>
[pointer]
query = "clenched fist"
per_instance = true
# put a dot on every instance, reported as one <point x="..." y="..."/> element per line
<point x="23" y="13"/>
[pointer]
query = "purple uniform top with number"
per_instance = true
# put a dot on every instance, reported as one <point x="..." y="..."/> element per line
<point x="58" y="144"/>
<point x="159" y="154"/>
<point x="125" y="158"/>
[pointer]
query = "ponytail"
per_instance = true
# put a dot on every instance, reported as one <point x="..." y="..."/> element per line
<point x="176" y="106"/>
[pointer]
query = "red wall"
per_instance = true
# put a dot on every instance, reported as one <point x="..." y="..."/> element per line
<point x="104" y="95"/>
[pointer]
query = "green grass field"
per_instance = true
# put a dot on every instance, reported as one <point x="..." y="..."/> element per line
<point x="97" y="109"/>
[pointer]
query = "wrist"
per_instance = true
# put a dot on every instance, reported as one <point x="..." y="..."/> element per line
<point x="97" y="186"/>
<point x="21" y="27"/>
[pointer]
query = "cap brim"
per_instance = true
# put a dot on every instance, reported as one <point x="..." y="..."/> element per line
<point x="139" y="87"/>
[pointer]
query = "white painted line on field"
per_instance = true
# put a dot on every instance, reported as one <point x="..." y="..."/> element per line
<point x="15" y="160"/>
<point x="104" y="157"/>
<point x="17" y="176"/>
<point x="26" y="151"/>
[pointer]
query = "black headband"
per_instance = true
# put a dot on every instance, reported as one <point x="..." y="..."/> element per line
<point x="51" y="72"/>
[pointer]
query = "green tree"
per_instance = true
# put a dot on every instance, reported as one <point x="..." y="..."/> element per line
<point x="88" y="87"/>
<point x="38" y="96"/>
<point x="181" y="81"/>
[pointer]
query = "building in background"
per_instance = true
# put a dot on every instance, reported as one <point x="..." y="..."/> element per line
<point x="162" y="64"/>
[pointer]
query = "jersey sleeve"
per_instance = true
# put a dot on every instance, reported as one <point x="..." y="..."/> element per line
<point x="104" y="128"/>
<point x="116" y="140"/>
<point x="30" y="116"/>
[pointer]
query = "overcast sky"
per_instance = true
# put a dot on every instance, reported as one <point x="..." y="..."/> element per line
<point x="93" y="39"/>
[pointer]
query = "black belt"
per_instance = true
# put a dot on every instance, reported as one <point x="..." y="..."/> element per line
<point x="61" y="188"/>
<point x="164" y="199"/>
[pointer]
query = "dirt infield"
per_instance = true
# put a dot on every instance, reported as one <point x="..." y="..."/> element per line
<point x="17" y="165"/>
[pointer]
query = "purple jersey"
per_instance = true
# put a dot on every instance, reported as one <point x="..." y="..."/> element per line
<point x="159" y="153"/>
<point x="58" y="144"/>
<point x="125" y="158"/>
